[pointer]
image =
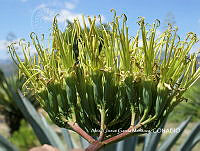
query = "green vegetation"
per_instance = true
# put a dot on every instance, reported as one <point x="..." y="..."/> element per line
<point x="24" y="138"/>
<point x="190" y="107"/>
<point x="44" y="133"/>
<point x="8" y="107"/>
<point x="93" y="78"/>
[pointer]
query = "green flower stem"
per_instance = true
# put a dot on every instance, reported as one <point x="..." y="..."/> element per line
<point x="144" y="116"/>
<point x="133" y="115"/>
<point x="103" y="127"/>
<point x="149" y="120"/>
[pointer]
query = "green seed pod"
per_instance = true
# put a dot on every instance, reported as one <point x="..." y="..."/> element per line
<point x="141" y="104"/>
<point x="53" y="92"/>
<point x="147" y="97"/>
<point x="110" y="93"/>
<point x="91" y="102"/>
<point x="121" y="107"/>
<point x="65" y="105"/>
<point x="131" y="93"/>
<point x="81" y="89"/>
<point x="141" y="108"/>
<point x="162" y="95"/>
<point x="147" y="94"/>
<point x="72" y="97"/>
<point x="71" y="90"/>
<point x="98" y="87"/>
<point x="108" y="89"/>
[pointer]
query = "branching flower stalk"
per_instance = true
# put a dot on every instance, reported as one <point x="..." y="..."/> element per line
<point x="97" y="77"/>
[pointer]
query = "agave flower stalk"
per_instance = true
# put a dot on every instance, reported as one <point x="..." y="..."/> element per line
<point x="94" y="77"/>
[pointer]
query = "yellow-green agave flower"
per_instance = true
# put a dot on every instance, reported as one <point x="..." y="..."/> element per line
<point x="99" y="77"/>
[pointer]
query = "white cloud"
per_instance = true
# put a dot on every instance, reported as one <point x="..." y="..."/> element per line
<point x="70" y="5"/>
<point x="4" y="54"/>
<point x="65" y="12"/>
<point x="41" y="6"/>
<point x="4" y="49"/>
<point x="3" y="45"/>
<point x="140" y="43"/>
<point x="195" y="48"/>
<point x="158" y="33"/>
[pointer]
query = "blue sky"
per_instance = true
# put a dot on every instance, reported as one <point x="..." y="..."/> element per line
<point x="21" y="17"/>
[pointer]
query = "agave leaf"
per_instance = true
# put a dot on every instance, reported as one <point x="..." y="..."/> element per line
<point x="42" y="130"/>
<point x="110" y="147"/>
<point x="128" y="144"/>
<point x="196" y="140"/>
<point x="171" y="140"/>
<point x="53" y="133"/>
<point x="67" y="138"/>
<point x="5" y="145"/>
<point x="192" y="139"/>
<point x="152" y="139"/>
<point x="84" y="143"/>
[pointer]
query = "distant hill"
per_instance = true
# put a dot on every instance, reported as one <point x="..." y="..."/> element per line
<point x="8" y="67"/>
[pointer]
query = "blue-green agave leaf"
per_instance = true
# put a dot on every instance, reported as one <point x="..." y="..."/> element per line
<point x="128" y="144"/>
<point x="192" y="139"/>
<point x="84" y="143"/>
<point x="171" y="140"/>
<point x="52" y="133"/>
<point x="152" y="139"/>
<point x="110" y="147"/>
<point x="67" y="138"/>
<point x="43" y="131"/>
<point x="5" y="145"/>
